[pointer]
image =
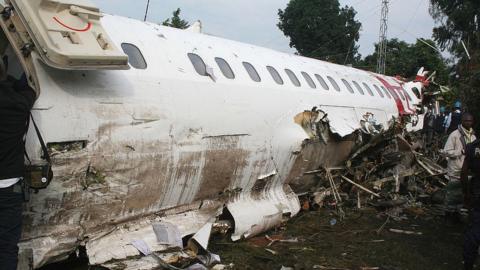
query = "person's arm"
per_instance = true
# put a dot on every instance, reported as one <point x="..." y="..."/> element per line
<point x="22" y="87"/>
<point x="465" y="184"/>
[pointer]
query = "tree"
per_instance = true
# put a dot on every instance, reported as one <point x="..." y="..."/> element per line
<point x="321" y="29"/>
<point x="459" y="22"/>
<point x="406" y="59"/>
<point x="176" y="21"/>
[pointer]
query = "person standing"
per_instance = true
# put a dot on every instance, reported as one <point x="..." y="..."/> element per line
<point x="439" y="122"/>
<point x="471" y="195"/>
<point x="454" y="118"/>
<point x="16" y="101"/>
<point x="429" y="126"/>
<point x="454" y="151"/>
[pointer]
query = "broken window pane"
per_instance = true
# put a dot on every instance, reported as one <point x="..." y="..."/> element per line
<point x="198" y="64"/>
<point x="309" y="80"/>
<point x="334" y="83"/>
<point x="369" y="90"/>
<point x="293" y="77"/>
<point x="275" y="75"/>
<point x="359" y="88"/>
<point x="386" y="92"/>
<point x="379" y="91"/>
<point x="322" y="82"/>
<point x="252" y="72"/>
<point x="225" y="68"/>
<point x="349" y="87"/>
<point x="135" y="56"/>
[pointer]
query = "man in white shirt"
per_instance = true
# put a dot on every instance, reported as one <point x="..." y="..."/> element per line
<point x="454" y="151"/>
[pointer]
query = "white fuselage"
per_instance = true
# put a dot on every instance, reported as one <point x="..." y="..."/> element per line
<point x="165" y="137"/>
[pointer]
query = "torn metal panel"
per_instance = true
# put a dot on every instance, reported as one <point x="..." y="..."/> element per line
<point x="254" y="215"/>
<point x="116" y="244"/>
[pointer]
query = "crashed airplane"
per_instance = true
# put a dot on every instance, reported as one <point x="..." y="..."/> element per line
<point x="148" y="125"/>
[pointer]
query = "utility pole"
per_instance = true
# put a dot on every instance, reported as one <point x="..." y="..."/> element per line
<point x="382" y="43"/>
<point x="146" y="11"/>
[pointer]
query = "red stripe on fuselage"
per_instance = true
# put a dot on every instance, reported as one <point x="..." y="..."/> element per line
<point x="393" y="92"/>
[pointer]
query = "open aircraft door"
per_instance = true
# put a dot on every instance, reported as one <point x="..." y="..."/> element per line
<point x="66" y="34"/>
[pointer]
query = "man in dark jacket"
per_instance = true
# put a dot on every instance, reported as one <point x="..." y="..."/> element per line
<point x="16" y="101"/>
<point x="471" y="195"/>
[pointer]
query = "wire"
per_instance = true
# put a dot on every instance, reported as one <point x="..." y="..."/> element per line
<point x="146" y="11"/>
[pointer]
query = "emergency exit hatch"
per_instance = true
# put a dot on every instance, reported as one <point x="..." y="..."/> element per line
<point x="66" y="34"/>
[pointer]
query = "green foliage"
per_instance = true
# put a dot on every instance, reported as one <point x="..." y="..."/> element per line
<point x="321" y="29"/>
<point x="406" y="59"/>
<point x="176" y="21"/>
<point x="459" y="21"/>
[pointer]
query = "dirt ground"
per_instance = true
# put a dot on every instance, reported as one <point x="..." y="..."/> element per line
<point x="351" y="244"/>
<point x="354" y="243"/>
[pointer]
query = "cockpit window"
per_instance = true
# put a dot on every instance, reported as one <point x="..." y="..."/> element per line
<point x="416" y="92"/>
<point x="252" y="72"/>
<point x="225" y="68"/>
<point x="198" y="64"/>
<point x="293" y="77"/>
<point x="135" y="56"/>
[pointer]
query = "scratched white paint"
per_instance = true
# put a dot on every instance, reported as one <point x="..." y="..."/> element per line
<point x="150" y="133"/>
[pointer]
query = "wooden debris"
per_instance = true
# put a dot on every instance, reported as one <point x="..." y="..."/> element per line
<point x="405" y="232"/>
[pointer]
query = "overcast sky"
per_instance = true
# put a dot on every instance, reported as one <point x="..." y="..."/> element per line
<point x="254" y="21"/>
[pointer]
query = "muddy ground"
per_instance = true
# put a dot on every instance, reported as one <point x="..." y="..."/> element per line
<point x="354" y="243"/>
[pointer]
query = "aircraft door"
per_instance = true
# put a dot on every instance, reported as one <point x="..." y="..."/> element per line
<point x="66" y="34"/>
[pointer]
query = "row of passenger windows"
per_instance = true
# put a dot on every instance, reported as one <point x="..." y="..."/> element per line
<point x="137" y="60"/>
<point x="227" y="71"/>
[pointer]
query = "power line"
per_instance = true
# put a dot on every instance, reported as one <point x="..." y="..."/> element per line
<point x="146" y="11"/>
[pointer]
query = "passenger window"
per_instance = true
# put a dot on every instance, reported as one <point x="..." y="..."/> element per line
<point x="275" y="75"/>
<point x="407" y="95"/>
<point x="293" y="77"/>
<point x="359" y="88"/>
<point x="309" y="80"/>
<point x="225" y="68"/>
<point x="322" y="82"/>
<point x="252" y="72"/>
<point x="401" y="95"/>
<point x="369" y="90"/>
<point x="198" y="64"/>
<point x="379" y="91"/>
<point x="349" y="87"/>
<point x="386" y="92"/>
<point x="135" y="56"/>
<point x="334" y="83"/>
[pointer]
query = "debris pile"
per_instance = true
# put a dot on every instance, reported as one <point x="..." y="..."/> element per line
<point x="391" y="169"/>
